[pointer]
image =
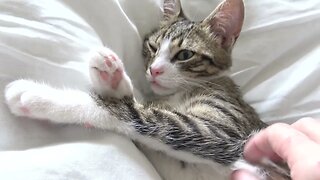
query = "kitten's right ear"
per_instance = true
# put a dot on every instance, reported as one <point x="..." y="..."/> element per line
<point x="225" y="22"/>
<point x="171" y="10"/>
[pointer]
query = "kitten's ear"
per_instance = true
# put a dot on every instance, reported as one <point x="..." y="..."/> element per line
<point x="171" y="9"/>
<point x="225" y="22"/>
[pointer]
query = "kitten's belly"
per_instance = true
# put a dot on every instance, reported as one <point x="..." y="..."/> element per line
<point x="172" y="169"/>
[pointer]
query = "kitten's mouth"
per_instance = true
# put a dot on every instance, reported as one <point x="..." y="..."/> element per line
<point x="155" y="84"/>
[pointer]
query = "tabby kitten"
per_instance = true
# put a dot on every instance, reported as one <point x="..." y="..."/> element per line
<point x="200" y="123"/>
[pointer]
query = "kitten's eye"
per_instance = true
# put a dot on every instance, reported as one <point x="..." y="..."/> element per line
<point x="153" y="47"/>
<point x="184" y="55"/>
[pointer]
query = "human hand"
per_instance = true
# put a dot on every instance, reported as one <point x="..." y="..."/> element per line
<point x="298" y="145"/>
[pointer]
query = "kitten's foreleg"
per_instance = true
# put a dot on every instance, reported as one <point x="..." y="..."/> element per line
<point x="147" y="125"/>
<point x="165" y="130"/>
<point x="40" y="101"/>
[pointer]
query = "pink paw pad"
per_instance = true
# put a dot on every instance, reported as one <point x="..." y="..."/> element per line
<point x="116" y="78"/>
<point x="112" y="57"/>
<point x="104" y="75"/>
<point x="108" y="60"/>
<point x="25" y="110"/>
<point x="87" y="125"/>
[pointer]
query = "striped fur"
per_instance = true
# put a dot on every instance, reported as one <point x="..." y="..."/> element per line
<point x="210" y="119"/>
<point x="201" y="120"/>
<point x="211" y="123"/>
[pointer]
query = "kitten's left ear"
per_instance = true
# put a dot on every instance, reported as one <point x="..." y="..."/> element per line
<point x="225" y="22"/>
<point x="171" y="9"/>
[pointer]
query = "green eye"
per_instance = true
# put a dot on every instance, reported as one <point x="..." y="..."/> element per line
<point x="184" y="55"/>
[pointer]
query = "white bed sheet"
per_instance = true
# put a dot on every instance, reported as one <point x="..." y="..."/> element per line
<point x="276" y="64"/>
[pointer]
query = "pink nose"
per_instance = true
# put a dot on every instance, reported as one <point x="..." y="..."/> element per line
<point x="156" y="71"/>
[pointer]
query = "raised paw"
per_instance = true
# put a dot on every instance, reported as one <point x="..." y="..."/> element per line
<point x="25" y="98"/>
<point x="108" y="75"/>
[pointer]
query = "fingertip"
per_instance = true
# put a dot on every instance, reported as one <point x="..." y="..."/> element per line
<point x="252" y="152"/>
<point x="259" y="147"/>
<point x="242" y="175"/>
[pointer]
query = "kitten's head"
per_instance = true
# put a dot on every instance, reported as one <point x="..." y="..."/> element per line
<point x="181" y="52"/>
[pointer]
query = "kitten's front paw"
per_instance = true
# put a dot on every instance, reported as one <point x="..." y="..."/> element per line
<point x="108" y="75"/>
<point x="24" y="98"/>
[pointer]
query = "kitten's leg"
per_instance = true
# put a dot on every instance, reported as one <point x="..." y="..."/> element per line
<point x="35" y="100"/>
<point x="40" y="101"/>
<point x="149" y="125"/>
<point x="27" y="98"/>
<point x="156" y="128"/>
<point x="108" y="75"/>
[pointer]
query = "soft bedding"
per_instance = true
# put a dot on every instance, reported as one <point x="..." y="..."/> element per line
<point x="276" y="64"/>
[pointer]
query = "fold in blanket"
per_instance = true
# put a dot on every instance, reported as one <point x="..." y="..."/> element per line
<point x="276" y="64"/>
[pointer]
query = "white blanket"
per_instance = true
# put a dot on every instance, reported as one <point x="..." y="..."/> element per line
<point x="276" y="64"/>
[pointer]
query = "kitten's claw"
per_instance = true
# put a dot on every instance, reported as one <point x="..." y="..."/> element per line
<point x="108" y="75"/>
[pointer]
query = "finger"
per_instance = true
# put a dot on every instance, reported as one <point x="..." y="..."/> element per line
<point x="257" y="148"/>
<point x="310" y="127"/>
<point x="291" y="145"/>
<point x="242" y="175"/>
